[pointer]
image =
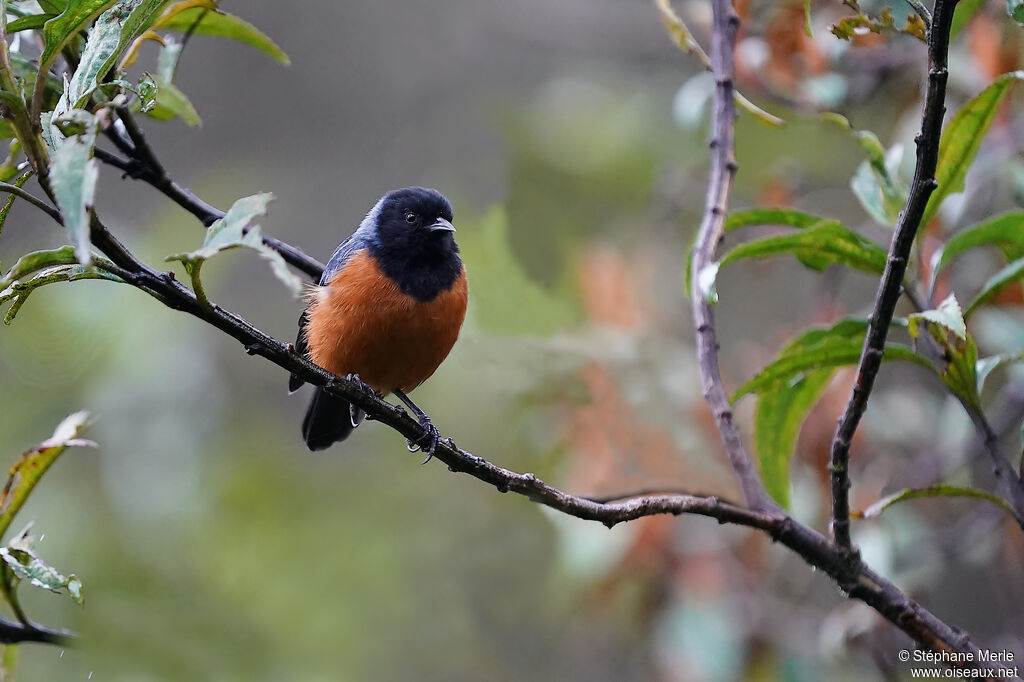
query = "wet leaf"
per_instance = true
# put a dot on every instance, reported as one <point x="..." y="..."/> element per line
<point x="20" y="182"/>
<point x="113" y="32"/>
<point x="791" y="385"/>
<point x="1015" y="8"/>
<point x="780" y="412"/>
<point x="933" y="491"/>
<point x="235" y="230"/>
<point x="1012" y="272"/>
<point x="218" y="24"/>
<point x="1005" y="231"/>
<point x="962" y="137"/>
<point x="148" y="91"/>
<point x="947" y="315"/>
<point x="24" y="563"/>
<point x="826" y="243"/>
<point x="820" y="348"/>
<point x="946" y="326"/>
<point x="37" y="260"/>
<point x="18" y="291"/>
<point x="61" y="29"/>
<point x="28" y="470"/>
<point x="171" y="102"/>
<point x="73" y="176"/>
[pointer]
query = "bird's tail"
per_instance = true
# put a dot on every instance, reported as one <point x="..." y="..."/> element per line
<point x="328" y="420"/>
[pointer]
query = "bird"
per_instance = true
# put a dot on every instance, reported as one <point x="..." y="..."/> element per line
<point x="386" y="312"/>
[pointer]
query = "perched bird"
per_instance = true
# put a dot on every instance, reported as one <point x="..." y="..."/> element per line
<point x="387" y="311"/>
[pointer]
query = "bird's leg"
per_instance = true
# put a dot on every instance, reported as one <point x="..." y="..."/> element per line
<point x="356" y="414"/>
<point x="431" y="436"/>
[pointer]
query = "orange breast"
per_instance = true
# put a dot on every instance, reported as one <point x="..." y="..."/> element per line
<point x="362" y="323"/>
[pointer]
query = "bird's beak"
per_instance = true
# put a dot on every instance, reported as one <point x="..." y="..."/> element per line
<point x="442" y="225"/>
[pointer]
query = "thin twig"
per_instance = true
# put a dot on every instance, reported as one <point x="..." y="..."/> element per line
<point x="144" y="165"/>
<point x="30" y="198"/>
<point x="723" y="167"/>
<point x="889" y="288"/>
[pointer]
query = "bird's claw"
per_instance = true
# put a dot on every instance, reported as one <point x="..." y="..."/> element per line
<point x="427" y="442"/>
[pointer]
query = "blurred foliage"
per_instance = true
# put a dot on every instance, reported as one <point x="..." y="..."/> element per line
<point x="214" y="547"/>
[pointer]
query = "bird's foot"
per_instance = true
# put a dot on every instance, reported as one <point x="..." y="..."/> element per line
<point x="428" y="441"/>
<point x="356" y="414"/>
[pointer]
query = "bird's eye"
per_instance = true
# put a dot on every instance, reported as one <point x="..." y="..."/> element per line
<point x="410" y="218"/>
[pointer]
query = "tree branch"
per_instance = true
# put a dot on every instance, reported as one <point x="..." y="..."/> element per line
<point x="889" y="288"/>
<point x="12" y="632"/>
<point x="144" y="165"/>
<point x="849" y="572"/>
<point x="723" y="168"/>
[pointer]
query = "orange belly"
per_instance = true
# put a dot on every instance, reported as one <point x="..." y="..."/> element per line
<point x="362" y="323"/>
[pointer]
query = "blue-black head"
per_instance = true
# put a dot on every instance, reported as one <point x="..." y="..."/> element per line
<point x="411" y="235"/>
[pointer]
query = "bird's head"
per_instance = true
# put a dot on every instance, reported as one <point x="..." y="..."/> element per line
<point x="414" y="218"/>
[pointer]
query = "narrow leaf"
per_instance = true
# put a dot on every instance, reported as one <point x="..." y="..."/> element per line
<point x="25" y="474"/>
<point x="933" y="491"/>
<point x="1013" y="272"/>
<point x="24" y="564"/>
<point x="821" y="348"/>
<point x="221" y="25"/>
<point x="947" y="315"/>
<point x="234" y="230"/>
<point x="826" y="243"/>
<point x="962" y="137"/>
<point x="781" y="409"/>
<point x="171" y="102"/>
<point x="37" y="260"/>
<point x="20" y="182"/>
<point x="61" y="29"/>
<point x="113" y="32"/>
<point x="17" y="292"/>
<point x="73" y="175"/>
<point x="1005" y="231"/>
<point x="770" y="216"/>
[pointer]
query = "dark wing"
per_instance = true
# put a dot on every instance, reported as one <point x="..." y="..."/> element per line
<point x="355" y="242"/>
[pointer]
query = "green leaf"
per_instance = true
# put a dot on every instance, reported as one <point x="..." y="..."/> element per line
<point x="171" y="102"/>
<point x="148" y="91"/>
<point x="790" y="386"/>
<point x="114" y="31"/>
<point x="20" y="182"/>
<point x="31" y="22"/>
<point x="221" y="25"/>
<point x="234" y="230"/>
<point x="37" y="260"/>
<point x="25" y="474"/>
<point x="946" y="326"/>
<point x="770" y="216"/>
<point x="844" y="245"/>
<point x="1012" y="272"/>
<point x="826" y="243"/>
<point x="20" y="557"/>
<point x="73" y="175"/>
<point x="61" y="29"/>
<point x="985" y="366"/>
<point x="933" y="491"/>
<point x="876" y="183"/>
<point x="1015" y="8"/>
<point x="807" y="19"/>
<point x="1005" y="231"/>
<point x="821" y="348"/>
<point x="18" y="291"/>
<point x="947" y="315"/>
<point x="964" y="12"/>
<point x="780" y="412"/>
<point x="877" y="186"/>
<point x="962" y="137"/>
